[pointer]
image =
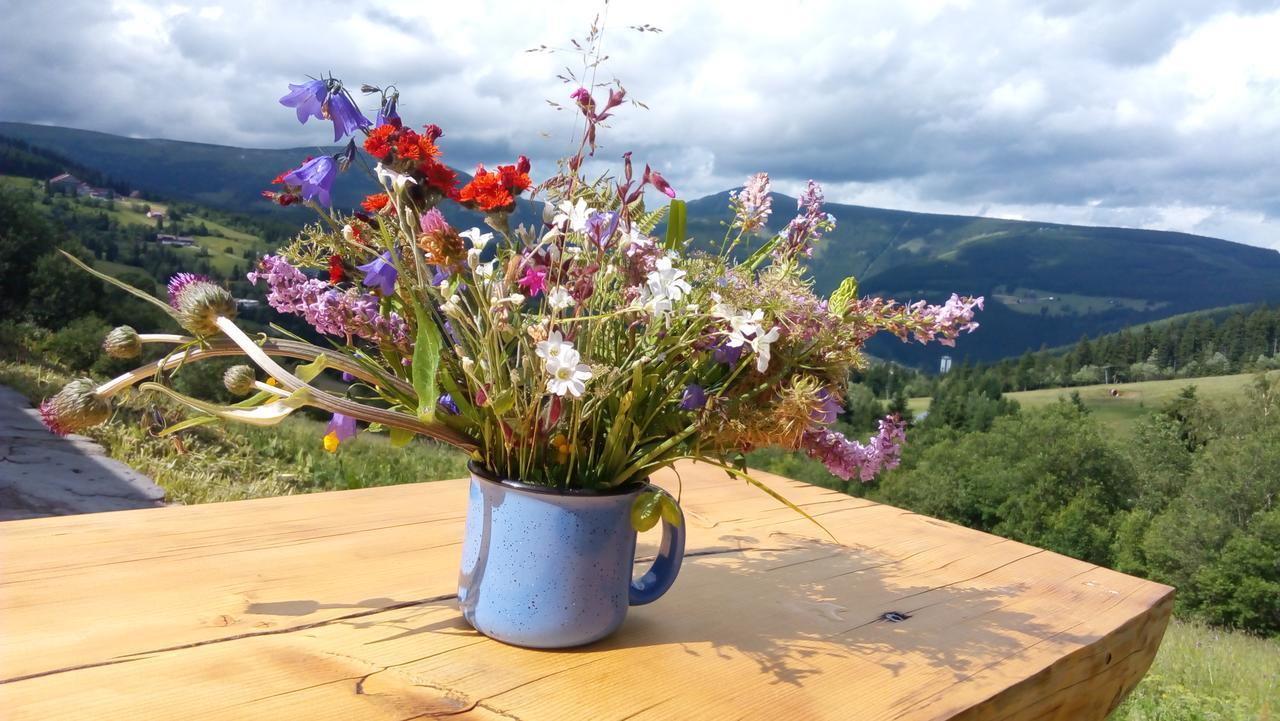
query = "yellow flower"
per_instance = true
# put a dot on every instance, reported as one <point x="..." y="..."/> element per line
<point x="331" y="442"/>
<point x="272" y="381"/>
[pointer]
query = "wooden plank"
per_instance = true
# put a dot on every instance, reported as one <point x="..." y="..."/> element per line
<point x="340" y="606"/>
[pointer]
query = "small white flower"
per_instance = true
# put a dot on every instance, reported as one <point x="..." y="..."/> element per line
<point x="392" y="179"/>
<point x="558" y="298"/>
<point x="741" y="323"/>
<point x="349" y="233"/>
<point x="760" y="344"/>
<point x="575" y="214"/>
<point x="668" y="280"/>
<point x="484" y="271"/>
<point x="451" y="306"/>
<point x="478" y="242"/>
<point x="554" y="348"/>
<point x="467" y="364"/>
<point x="568" y="378"/>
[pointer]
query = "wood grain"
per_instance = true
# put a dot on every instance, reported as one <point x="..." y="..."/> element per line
<point x="340" y="606"/>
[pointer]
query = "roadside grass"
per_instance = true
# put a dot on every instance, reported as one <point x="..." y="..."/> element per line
<point x="223" y="462"/>
<point x="1133" y="400"/>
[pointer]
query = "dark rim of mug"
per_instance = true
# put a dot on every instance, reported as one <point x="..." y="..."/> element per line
<point x="485" y="474"/>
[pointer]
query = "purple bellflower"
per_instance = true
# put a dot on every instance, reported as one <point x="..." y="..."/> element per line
<point x="694" y="397"/>
<point x="346" y="117"/>
<point x="308" y="98"/>
<point x="380" y="273"/>
<point x="342" y="427"/>
<point x="315" y="177"/>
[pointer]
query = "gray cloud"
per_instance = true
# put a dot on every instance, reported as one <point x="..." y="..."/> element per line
<point x="1143" y="113"/>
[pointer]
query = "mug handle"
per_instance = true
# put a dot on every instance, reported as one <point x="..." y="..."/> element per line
<point x="666" y="566"/>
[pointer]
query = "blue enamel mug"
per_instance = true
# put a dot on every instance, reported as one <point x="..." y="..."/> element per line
<point x="545" y="568"/>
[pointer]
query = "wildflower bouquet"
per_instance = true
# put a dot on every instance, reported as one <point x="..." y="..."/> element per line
<point x="578" y="351"/>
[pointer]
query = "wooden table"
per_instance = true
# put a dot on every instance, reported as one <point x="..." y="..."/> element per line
<point x="340" y="606"/>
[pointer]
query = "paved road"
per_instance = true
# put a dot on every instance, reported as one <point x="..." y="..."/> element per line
<point x="45" y="475"/>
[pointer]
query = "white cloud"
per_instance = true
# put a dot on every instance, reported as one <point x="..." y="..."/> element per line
<point x="1145" y="113"/>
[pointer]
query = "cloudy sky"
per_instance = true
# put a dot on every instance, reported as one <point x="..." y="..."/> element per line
<point x="1151" y="113"/>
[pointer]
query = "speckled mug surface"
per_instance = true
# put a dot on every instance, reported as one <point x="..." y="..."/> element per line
<point x="551" y="569"/>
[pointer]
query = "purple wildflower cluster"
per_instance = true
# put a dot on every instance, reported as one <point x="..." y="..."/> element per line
<point x="808" y="225"/>
<point x="180" y="281"/>
<point x="753" y="204"/>
<point x="328" y="309"/>
<point x="846" y="458"/>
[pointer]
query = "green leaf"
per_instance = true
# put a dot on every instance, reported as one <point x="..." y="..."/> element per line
<point x="503" y="402"/>
<point x="843" y="296"/>
<point x="308" y="371"/>
<point x="669" y="510"/>
<point x="426" y="361"/>
<point x="400" y="437"/>
<point x="264" y="415"/>
<point x="646" y="511"/>
<point x="676" y="224"/>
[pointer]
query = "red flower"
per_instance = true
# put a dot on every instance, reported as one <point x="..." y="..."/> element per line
<point x="486" y="191"/>
<point x="513" y="179"/>
<point x="378" y="143"/>
<point x="376" y="202"/>
<point x="281" y="198"/>
<point x="407" y="147"/>
<point x="335" y="269"/>
<point x="439" y="176"/>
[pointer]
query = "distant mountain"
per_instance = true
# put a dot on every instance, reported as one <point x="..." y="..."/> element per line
<point x="1046" y="284"/>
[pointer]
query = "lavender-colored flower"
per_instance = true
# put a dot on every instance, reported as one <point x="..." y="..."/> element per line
<point x="180" y="281"/>
<point x="753" y="204"/>
<point x="827" y="410"/>
<point x="308" y="98"/>
<point x="601" y="227"/>
<point x="315" y="177"/>
<point x="380" y="273"/>
<point x="846" y="458"/>
<point x="433" y="221"/>
<point x="808" y="225"/>
<point x="695" y="398"/>
<point x="347" y="377"/>
<point x="342" y="427"/>
<point x="327" y="309"/>
<point x="342" y="110"/>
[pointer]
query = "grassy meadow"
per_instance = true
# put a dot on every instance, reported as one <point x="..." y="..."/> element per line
<point x="1132" y="401"/>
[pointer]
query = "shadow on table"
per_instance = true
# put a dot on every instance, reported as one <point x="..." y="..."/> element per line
<point x="789" y="609"/>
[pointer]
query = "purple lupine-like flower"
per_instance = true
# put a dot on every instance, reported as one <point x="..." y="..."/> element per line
<point x="315" y="178"/>
<point x="846" y="459"/>
<point x="346" y="117"/>
<point x="308" y="98"/>
<point x="180" y="281"/>
<point x="808" y="225"/>
<point x="754" y="204"/>
<point x="380" y="273"/>
<point x="347" y="377"/>
<point x="327" y="309"/>
<point x="695" y="398"/>
<point x="343" y="427"/>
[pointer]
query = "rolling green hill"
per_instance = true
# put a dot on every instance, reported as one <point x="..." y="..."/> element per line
<point x="1046" y="284"/>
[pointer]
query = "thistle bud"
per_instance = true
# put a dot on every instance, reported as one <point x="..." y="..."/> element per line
<point x="76" y="407"/>
<point x="239" y="380"/>
<point x="200" y="303"/>
<point x="122" y="342"/>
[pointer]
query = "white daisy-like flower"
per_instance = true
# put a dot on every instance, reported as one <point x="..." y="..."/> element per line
<point x="760" y="344"/>
<point x="555" y="348"/>
<point x="478" y="242"/>
<point x="568" y="378"/>
<point x="575" y="214"/>
<point x="558" y="298"/>
<point x="484" y="271"/>
<point x="667" y="280"/>
<point x="741" y="323"/>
